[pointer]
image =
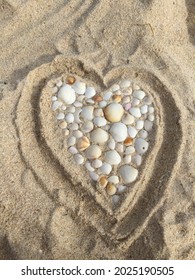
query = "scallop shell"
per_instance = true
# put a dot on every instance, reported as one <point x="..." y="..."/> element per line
<point x="99" y="136"/>
<point x="90" y="92"/>
<point x="93" y="152"/>
<point x="87" y="126"/>
<point x="100" y="121"/>
<point x="113" y="112"/>
<point x="106" y="168"/>
<point x="112" y="157"/>
<point x="87" y="112"/>
<point x="79" y="87"/>
<point x="67" y="94"/>
<point x="118" y="131"/>
<point x="128" y="173"/>
<point x="83" y="143"/>
<point x="111" y="189"/>
<point x="140" y="94"/>
<point x="135" y="112"/>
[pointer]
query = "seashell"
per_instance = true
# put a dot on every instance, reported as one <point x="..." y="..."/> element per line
<point x="113" y="112"/>
<point x="103" y="181"/>
<point x="100" y="121"/>
<point x="73" y="126"/>
<point x="79" y="159"/>
<point x="55" y="89"/>
<point x="94" y="176"/>
<point x="90" y="101"/>
<point x="125" y="84"/>
<point x="148" y="125"/>
<point x="135" y="102"/>
<point x="77" y="115"/>
<point x="143" y="134"/>
<point x="63" y="107"/>
<point x="144" y="109"/>
<point x="112" y="157"/>
<point x="90" y="92"/>
<point x="97" y="163"/>
<point x="107" y="95"/>
<point x="70" y="80"/>
<point x="71" y="141"/>
<point x="77" y="133"/>
<point x="113" y="179"/>
<point x="151" y="117"/>
<point x="116" y="98"/>
<point x="128" y="91"/>
<point x="97" y="98"/>
<point x="69" y="118"/>
<point x="111" y="144"/>
<point x="87" y="113"/>
<point x="132" y="132"/>
<point x="111" y="189"/>
<point x="82" y="143"/>
<point x="128" y="173"/>
<point x="136" y="87"/>
<point x="115" y="199"/>
<point x="121" y="189"/>
<point x="78" y="104"/>
<point x="54" y="98"/>
<point x="79" y="87"/>
<point x="147" y="100"/>
<point x="98" y="112"/>
<point x="106" y="168"/>
<point x="139" y="124"/>
<point x="80" y="98"/>
<point x="129" y="150"/>
<point x="151" y="110"/>
<point x="126" y="99"/>
<point x="99" y="136"/>
<point x="55" y="105"/>
<point x="127" y="106"/>
<point x="66" y="132"/>
<point x="115" y="87"/>
<point x="59" y="83"/>
<point x="106" y="127"/>
<point x="73" y="150"/>
<point x="140" y="94"/>
<point x="135" y="112"/>
<point x="60" y="116"/>
<point x="67" y="94"/>
<point x="89" y="167"/>
<point x="118" y="132"/>
<point x="63" y="125"/>
<point x="102" y="104"/>
<point x="137" y="160"/>
<point x="119" y="148"/>
<point x="71" y="109"/>
<point x="128" y="141"/>
<point x="127" y="159"/>
<point x="141" y="146"/>
<point x="87" y="127"/>
<point x="93" y="152"/>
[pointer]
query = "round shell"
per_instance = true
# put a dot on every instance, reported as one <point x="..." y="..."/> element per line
<point x="113" y="112"/>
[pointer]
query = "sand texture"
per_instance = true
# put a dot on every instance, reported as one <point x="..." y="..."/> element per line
<point x="49" y="208"/>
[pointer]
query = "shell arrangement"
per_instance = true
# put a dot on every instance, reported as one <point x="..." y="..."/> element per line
<point x="107" y="132"/>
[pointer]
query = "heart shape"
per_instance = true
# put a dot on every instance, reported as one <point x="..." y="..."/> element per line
<point x="107" y="132"/>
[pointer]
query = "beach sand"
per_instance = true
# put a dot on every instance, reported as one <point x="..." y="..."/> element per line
<point x="49" y="208"/>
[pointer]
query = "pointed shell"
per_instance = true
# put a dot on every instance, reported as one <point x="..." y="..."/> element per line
<point x="141" y="146"/>
<point x="82" y="143"/>
<point x="112" y="157"/>
<point x="67" y="94"/>
<point x="128" y="173"/>
<point x="99" y="136"/>
<point x="113" y="112"/>
<point x="93" y="152"/>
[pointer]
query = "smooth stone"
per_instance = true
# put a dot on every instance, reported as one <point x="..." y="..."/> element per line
<point x="132" y="132"/>
<point x="93" y="152"/>
<point x="73" y="126"/>
<point x="89" y="167"/>
<point x="128" y="173"/>
<point x="128" y="119"/>
<point x="137" y="160"/>
<point x="127" y="159"/>
<point x="113" y="179"/>
<point x="139" y="124"/>
<point x="67" y="94"/>
<point x="111" y="144"/>
<point x="112" y="157"/>
<point x="118" y="131"/>
<point x="96" y="163"/>
<point x="79" y="87"/>
<point x="90" y="92"/>
<point x="60" y="116"/>
<point x="144" y="109"/>
<point x="151" y="110"/>
<point x="55" y="105"/>
<point x="69" y="118"/>
<point x="63" y="107"/>
<point x="106" y="168"/>
<point x="143" y="134"/>
<point x="111" y="189"/>
<point x="135" y="102"/>
<point x="87" y="127"/>
<point x="99" y="121"/>
<point x="99" y="136"/>
<point x="103" y="181"/>
<point x="80" y="98"/>
<point x="71" y="141"/>
<point x="129" y="150"/>
<point x="125" y="84"/>
<point x="87" y="113"/>
<point x="55" y="89"/>
<point x="139" y="94"/>
<point x="73" y="150"/>
<point x="94" y="176"/>
<point x="79" y="159"/>
<point x="107" y="95"/>
<point x="66" y="132"/>
<point x="148" y="125"/>
<point x="128" y="91"/>
<point x="102" y="104"/>
<point x="135" y="112"/>
<point x="141" y="146"/>
<point x="151" y="117"/>
<point x="113" y="112"/>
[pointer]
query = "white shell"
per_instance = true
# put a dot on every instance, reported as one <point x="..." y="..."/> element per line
<point x="96" y="163"/>
<point x="139" y="94"/>
<point x="77" y="104"/>
<point x="77" y="115"/>
<point x="90" y="92"/>
<point x="128" y="173"/>
<point x="71" y="109"/>
<point x="93" y="152"/>
<point x="132" y="132"/>
<point x="71" y="141"/>
<point x="79" y="87"/>
<point x="135" y="102"/>
<point x="137" y="160"/>
<point x="121" y="189"/>
<point x="55" y="105"/>
<point x="90" y="101"/>
<point x="147" y="100"/>
<point x="106" y="168"/>
<point x="119" y="147"/>
<point x="59" y="83"/>
<point x="143" y="134"/>
<point x="151" y="110"/>
<point x="63" y="125"/>
<point x="80" y="98"/>
<point x="87" y="126"/>
<point x="69" y="118"/>
<point x="111" y="144"/>
<point x="135" y="112"/>
<point x="100" y="121"/>
<point x="127" y="159"/>
<point x="73" y="126"/>
<point x="54" y="98"/>
<point x="93" y="176"/>
<point x="114" y="112"/>
<point x="89" y="167"/>
<point x="87" y="112"/>
<point x="139" y="124"/>
<point x="66" y="132"/>
<point x="126" y="99"/>
<point x="125" y="84"/>
<point x="99" y="136"/>
<point x="128" y="119"/>
<point x="102" y="104"/>
<point x="118" y="132"/>
<point x="98" y="112"/>
<point x="112" y="157"/>
<point x="148" y="125"/>
<point x="115" y="88"/>
<point x="63" y="107"/>
<point x="151" y="117"/>
<point x="79" y="159"/>
<point x="141" y="146"/>
<point x="67" y="94"/>
<point x="77" y="133"/>
<point x="73" y="150"/>
<point x="144" y="109"/>
<point x="107" y="95"/>
<point x="60" y="116"/>
<point x="129" y="150"/>
<point x="113" y="179"/>
<point x="55" y="89"/>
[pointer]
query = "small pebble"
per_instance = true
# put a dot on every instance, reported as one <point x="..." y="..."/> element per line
<point x="125" y="84"/>
<point x="135" y="102"/>
<point x="151" y="117"/>
<point x="144" y="109"/>
<point x="121" y="189"/>
<point x="100" y="121"/>
<point x="102" y="104"/>
<point x="147" y="100"/>
<point x="77" y="133"/>
<point x="139" y="94"/>
<point x="107" y="95"/>
<point x="60" y="116"/>
<point x="59" y="83"/>
<point x="119" y="148"/>
<point x="115" y="88"/>
<point x="73" y="150"/>
<point x="132" y="132"/>
<point x="73" y="126"/>
<point x="87" y="127"/>
<point x="137" y="160"/>
<point x="103" y="181"/>
<point x="98" y="112"/>
<point x="63" y="125"/>
<point x="71" y="141"/>
<point x="54" y="98"/>
<point x="143" y="134"/>
<point x="55" y="105"/>
<point x="141" y="146"/>
<point x="151" y="110"/>
<point x="79" y="87"/>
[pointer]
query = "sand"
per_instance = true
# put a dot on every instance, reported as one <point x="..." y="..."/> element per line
<point x="49" y="208"/>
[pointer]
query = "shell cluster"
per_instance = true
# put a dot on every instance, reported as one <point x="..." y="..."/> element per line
<point x="107" y="132"/>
